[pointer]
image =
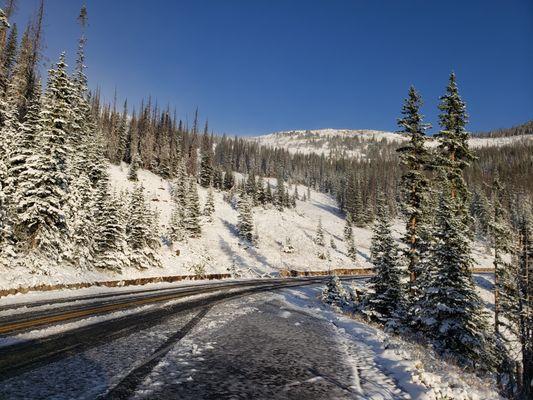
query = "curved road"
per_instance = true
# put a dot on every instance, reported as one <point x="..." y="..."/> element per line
<point x="221" y="340"/>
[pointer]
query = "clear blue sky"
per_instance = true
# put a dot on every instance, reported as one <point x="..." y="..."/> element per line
<point x="256" y="66"/>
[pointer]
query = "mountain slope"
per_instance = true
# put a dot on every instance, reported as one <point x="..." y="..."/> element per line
<point x="357" y="143"/>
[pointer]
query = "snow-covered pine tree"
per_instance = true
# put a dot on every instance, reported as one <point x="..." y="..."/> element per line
<point x="209" y="207"/>
<point x="481" y="213"/>
<point x="218" y="178"/>
<point x="502" y="241"/>
<point x="41" y="196"/>
<point x="245" y="223"/>
<point x="229" y="179"/>
<point x="7" y="251"/>
<point x="279" y="196"/>
<point x="519" y="311"/>
<point x="319" y="235"/>
<point x="415" y="158"/>
<point x="348" y="230"/>
<point x="358" y="216"/>
<point x="80" y="217"/>
<point x="453" y="141"/>
<point x="385" y="301"/>
<point x="134" y="167"/>
<point x="206" y="160"/>
<point x="261" y="195"/>
<point x="122" y="135"/>
<point x="268" y="194"/>
<point x="110" y="246"/>
<point x="250" y="187"/>
<point x="332" y="243"/>
<point x="450" y="311"/>
<point x="24" y="143"/>
<point x="176" y="229"/>
<point x="334" y="293"/>
<point x="352" y="250"/>
<point x="191" y="220"/>
<point x="139" y="232"/>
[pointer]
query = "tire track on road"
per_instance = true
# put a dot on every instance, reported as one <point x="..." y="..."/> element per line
<point x="126" y="387"/>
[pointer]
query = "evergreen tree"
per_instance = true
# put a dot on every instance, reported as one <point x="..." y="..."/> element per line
<point x="334" y="293"/>
<point x="414" y="184"/>
<point x="352" y="250"/>
<point x="268" y="193"/>
<point x="261" y="194"/>
<point x="191" y="220"/>
<point x="110" y="242"/>
<point x="480" y="211"/>
<point x="348" y="230"/>
<point x="453" y="139"/>
<point x="81" y="221"/>
<point x="134" y="167"/>
<point x="358" y="215"/>
<point x="9" y="55"/>
<point x="521" y="319"/>
<point x="218" y="178"/>
<point x="229" y="179"/>
<point x="176" y="228"/>
<point x="319" y="236"/>
<point x="451" y="311"/>
<point x="245" y="223"/>
<point x="386" y="300"/>
<point x="140" y="235"/>
<point x="251" y="187"/>
<point x="209" y="207"/>
<point x="279" y="198"/>
<point x="24" y="145"/>
<point x="42" y="193"/>
<point x="206" y="161"/>
<point x="122" y="135"/>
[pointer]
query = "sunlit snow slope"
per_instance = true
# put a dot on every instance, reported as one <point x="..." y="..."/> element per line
<point x="355" y="143"/>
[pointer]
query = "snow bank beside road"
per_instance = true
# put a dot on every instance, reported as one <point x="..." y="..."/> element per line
<point x="414" y="368"/>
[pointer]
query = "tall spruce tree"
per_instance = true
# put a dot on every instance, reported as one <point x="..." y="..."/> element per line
<point x="502" y="240"/>
<point x="209" y="207"/>
<point x="206" y="160"/>
<point x="111" y="249"/>
<point x="191" y="221"/>
<point x="319" y="235"/>
<point x="451" y="311"/>
<point x="279" y="196"/>
<point x="245" y="223"/>
<point x="142" y="241"/>
<point x="42" y="194"/>
<point x="134" y="168"/>
<point x="81" y="221"/>
<point x="386" y="300"/>
<point x="453" y="141"/>
<point x="414" y="156"/>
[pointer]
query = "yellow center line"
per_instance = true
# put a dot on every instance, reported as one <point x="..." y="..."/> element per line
<point x="82" y="313"/>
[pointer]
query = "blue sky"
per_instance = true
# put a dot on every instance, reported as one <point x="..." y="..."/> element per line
<point x="257" y="66"/>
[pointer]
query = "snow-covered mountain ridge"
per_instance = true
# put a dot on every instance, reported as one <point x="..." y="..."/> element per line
<point x="355" y="142"/>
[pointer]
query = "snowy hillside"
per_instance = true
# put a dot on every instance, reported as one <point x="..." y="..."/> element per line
<point x="356" y="143"/>
<point x="219" y="247"/>
<point x="335" y="142"/>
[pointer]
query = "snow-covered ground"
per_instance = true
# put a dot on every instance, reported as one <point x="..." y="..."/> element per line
<point x="413" y="368"/>
<point x="219" y="247"/>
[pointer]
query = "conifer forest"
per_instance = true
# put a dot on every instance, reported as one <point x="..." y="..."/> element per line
<point x="438" y="220"/>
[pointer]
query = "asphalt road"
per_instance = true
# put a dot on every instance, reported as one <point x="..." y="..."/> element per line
<point x="160" y="305"/>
